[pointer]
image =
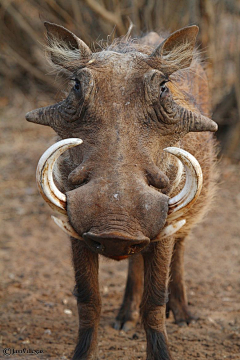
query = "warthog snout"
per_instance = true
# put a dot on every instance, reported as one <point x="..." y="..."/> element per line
<point x="115" y="245"/>
<point x="117" y="220"/>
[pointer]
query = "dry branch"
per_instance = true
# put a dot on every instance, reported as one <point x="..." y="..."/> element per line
<point x="113" y="18"/>
<point x="18" y="17"/>
<point x="26" y="65"/>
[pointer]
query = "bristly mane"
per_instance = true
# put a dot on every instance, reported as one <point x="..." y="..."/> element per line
<point x="73" y="59"/>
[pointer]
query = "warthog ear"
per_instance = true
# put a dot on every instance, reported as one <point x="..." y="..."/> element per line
<point x="64" y="46"/>
<point x="177" y="50"/>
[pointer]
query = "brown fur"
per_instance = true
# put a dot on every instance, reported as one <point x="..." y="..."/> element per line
<point x="124" y="107"/>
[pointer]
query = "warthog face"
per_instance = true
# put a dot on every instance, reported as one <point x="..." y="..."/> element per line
<point x="125" y="110"/>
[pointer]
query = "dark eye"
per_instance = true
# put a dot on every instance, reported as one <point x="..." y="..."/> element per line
<point x="163" y="88"/>
<point x="77" y="85"/>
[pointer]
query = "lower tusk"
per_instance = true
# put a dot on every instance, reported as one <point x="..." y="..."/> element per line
<point x="169" y="230"/>
<point x="44" y="174"/>
<point x="66" y="227"/>
<point x="183" y="201"/>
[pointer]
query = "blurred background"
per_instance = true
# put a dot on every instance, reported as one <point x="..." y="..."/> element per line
<point x="24" y="71"/>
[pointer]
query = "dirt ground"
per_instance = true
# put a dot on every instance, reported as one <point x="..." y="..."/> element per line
<point x="38" y="310"/>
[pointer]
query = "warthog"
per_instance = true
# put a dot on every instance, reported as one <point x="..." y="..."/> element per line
<point x="128" y="184"/>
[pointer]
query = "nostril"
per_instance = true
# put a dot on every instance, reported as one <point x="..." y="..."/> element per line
<point x="96" y="245"/>
<point x="137" y="247"/>
<point x="94" y="242"/>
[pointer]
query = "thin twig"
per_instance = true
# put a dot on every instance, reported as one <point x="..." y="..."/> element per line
<point x="26" y="65"/>
<point x="17" y="16"/>
<point x="113" y="18"/>
<point x="59" y="10"/>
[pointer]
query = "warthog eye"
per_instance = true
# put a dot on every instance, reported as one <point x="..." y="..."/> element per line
<point x="77" y="85"/>
<point x="163" y="88"/>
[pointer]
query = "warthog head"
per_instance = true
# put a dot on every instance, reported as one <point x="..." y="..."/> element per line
<point x="115" y="185"/>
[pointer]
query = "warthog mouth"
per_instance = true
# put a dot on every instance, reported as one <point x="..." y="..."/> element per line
<point x="178" y="205"/>
<point x="119" y="258"/>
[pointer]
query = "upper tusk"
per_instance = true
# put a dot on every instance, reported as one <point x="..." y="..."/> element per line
<point x="44" y="174"/>
<point x="183" y="201"/>
<point x="178" y="177"/>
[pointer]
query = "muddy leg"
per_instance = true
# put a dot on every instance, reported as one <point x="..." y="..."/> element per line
<point x="129" y="312"/>
<point x="177" y="292"/>
<point x="153" y="307"/>
<point x="88" y="300"/>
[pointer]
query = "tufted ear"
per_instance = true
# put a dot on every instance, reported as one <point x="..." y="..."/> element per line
<point x="176" y="52"/>
<point x="64" y="46"/>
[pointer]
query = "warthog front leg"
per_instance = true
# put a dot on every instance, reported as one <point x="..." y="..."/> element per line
<point x="88" y="300"/>
<point x="129" y="312"/>
<point x="177" y="293"/>
<point x="155" y="296"/>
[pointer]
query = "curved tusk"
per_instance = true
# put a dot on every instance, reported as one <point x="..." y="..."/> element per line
<point x="44" y="174"/>
<point x="183" y="201"/>
<point x="169" y="230"/>
<point x="66" y="227"/>
<point x="178" y="177"/>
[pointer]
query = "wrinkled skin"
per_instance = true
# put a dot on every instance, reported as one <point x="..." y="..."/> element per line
<point x="119" y="173"/>
<point x="126" y="111"/>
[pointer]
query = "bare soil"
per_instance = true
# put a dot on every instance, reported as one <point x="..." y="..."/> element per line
<point x="38" y="310"/>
